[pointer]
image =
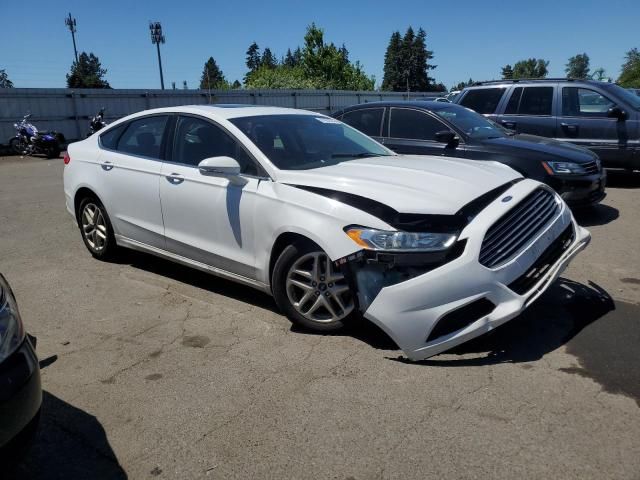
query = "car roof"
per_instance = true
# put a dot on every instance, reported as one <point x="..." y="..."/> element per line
<point x="421" y="104"/>
<point x="228" y="111"/>
<point x="505" y="83"/>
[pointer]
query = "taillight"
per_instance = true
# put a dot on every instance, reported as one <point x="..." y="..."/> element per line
<point x="67" y="158"/>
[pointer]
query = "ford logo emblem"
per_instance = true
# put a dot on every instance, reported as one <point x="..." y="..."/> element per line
<point x="506" y="199"/>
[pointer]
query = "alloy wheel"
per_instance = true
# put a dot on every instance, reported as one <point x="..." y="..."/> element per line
<point x="94" y="227"/>
<point x="317" y="290"/>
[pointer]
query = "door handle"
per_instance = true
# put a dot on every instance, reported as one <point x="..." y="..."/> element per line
<point x="570" y="127"/>
<point x="175" y="178"/>
<point x="508" y="124"/>
<point x="107" y="166"/>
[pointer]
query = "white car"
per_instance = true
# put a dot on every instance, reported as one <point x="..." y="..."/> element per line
<point x="433" y="250"/>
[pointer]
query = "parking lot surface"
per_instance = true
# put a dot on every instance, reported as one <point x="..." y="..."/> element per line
<point x="153" y="370"/>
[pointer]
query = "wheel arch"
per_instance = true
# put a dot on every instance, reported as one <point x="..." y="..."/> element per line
<point x="82" y="193"/>
<point x="283" y="241"/>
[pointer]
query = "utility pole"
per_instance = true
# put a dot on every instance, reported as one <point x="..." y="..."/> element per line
<point x="157" y="38"/>
<point x="70" y="22"/>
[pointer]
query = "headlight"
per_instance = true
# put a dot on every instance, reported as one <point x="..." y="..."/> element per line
<point x="11" y="330"/>
<point x="553" y="168"/>
<point x="372" y="239"/>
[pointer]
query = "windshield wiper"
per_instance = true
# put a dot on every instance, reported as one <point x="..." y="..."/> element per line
<point x="358" y="155"/>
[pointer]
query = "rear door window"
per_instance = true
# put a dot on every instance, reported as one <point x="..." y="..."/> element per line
<point x="531" y="101"/>
<point x="367" y="120"/>
<point x="483" y="100"/>
<point x="414" y="125"/>
<point x="143" y="137"/>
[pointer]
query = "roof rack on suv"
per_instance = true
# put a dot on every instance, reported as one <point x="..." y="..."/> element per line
<point x="516" y="80"/>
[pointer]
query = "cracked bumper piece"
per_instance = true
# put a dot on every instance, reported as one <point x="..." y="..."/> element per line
<point x="463" y="299"/>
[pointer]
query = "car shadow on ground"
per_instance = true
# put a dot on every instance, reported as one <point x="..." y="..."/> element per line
<point x="623" y="179"/>
<point x="70" y="443"/>
<point x="551" y="322"/>
<point x="596" y="215"/>
<point x="195" y="278"/>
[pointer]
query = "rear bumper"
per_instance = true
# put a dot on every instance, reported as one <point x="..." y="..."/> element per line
<point x="409" y="311"/>
<point x="20" y="397"/>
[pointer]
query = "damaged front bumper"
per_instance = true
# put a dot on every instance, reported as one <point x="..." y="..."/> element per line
<point x="429" y="309"/>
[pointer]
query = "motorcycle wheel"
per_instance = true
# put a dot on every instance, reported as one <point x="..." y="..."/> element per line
<point x="16" y="146"/>
<point x="52" y="151"/>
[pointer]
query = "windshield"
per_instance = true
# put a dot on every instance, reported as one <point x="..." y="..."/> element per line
<point x="625" y="95"/>
<point x="301" y="142"/>
<point x="470" y="123"/>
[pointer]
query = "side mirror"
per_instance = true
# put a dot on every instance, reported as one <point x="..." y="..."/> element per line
<point x="448" y="137"/>
<point x="617" y="112"/>
<point x="219" y="166"/>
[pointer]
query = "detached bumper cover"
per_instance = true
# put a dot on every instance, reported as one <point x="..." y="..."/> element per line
<point x="409" y="311"/>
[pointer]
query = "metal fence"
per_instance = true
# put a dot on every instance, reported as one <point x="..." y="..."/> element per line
<point x="68" y="111"/>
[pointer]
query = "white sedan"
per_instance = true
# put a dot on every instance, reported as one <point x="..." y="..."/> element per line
<point x="335" y="226"/>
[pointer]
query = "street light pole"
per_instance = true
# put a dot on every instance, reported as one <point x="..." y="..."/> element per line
<point x="157" y="38"/>
<point x="70" y="22"/>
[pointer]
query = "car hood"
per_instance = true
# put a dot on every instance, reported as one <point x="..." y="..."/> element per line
<point x="541" y="145"/>
<point x="408" y="183"/>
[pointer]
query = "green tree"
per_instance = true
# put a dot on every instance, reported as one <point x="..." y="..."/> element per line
<point x="462" y="85"/>
<point x="578" y="66"/>
<point x="87" y="72"/>
<point x="599" y="74"/>
<point x="630" y="75"/>
<point x="329" y="66"/>
<point x="407" y="63"/>
<point x="268" y="59"/>
<point x="236" y="85"/>
<point x="531" y="68"/>
<point x="392" y="58"/>
<point x="507" y="72"/>
<point x="280" y="77"/>
<point x="212" y="76"/>
<point x="4" y="80"/>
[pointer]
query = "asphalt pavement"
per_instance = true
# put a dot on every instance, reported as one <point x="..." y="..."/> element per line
<point x="153" y="370"/>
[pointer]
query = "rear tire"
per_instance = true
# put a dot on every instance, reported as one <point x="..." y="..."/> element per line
<point x="310" y="291"/>
<point x="96" y="230"/>
<point x="53" y="152"/>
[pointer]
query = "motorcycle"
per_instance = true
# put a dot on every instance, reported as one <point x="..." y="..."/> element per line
<point x="97" y="122"/>
<point x="29" y="140"/>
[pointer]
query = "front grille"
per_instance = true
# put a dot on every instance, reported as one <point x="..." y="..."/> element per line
<point x="461" y="317"/>
<point x="509" y="235"/>
<point x="552" y="253"/>
<point x="591" y="167"/>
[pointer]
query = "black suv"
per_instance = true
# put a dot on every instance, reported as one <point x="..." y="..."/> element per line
<point x="598" y="115"/>
<point x="437" y="128"/>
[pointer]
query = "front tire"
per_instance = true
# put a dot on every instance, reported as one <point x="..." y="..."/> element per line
<point x="52" y="152"/>
<point x="309" y="290"/>
<point x="95" y="227"/>
<point x="16" y="146"/>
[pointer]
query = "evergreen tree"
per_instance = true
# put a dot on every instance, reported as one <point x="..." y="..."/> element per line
<point x="407" y="63"/>
<point x="87" y="72"/>
<point x="4" y="80"/>
<point x="392" y="75"/>
<point x="531" y="68"/>
<point x="212" y="76"/>
<point x="420" y="80"/>
<point x="507" y="72"/>
<point x="630" y="75"/>
<point x="578" y="66"/>
<point x="236" y="85"/>
<point x="462" y="85"/>
<point x="288" y="60"/>
<point x="268" y="59"/>
<point x="253" y="57"/>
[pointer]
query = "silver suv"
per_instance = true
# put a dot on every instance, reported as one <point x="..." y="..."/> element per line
<point x="598" y="115"/>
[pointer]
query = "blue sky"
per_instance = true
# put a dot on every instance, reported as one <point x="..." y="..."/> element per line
<point x="469" y="38"/>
